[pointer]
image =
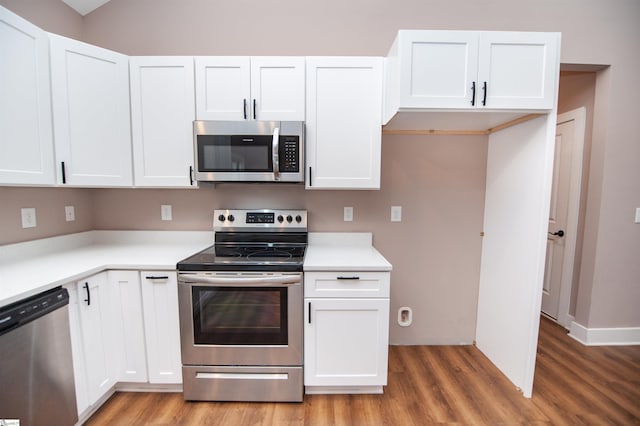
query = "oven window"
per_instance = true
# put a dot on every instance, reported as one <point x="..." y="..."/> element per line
<point x="240" y="316"/>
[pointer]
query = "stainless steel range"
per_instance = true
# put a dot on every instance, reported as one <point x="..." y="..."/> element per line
<point x="241" y="309"/>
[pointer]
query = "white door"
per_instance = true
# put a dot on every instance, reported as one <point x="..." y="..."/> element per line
<point x="346" y="342"/>
<point x="162" y="114"/>
<point x="277" y="88"/>
<point x="223" y="89"/>
<point x="563" y="215"/>
<point x="129" y="348"/>
<point x="26" y="135"/>
<point x="344" y="114"/>
<point x="97" y="338"/>
<point x="440" y="69"/>
<point x="517" y="70"/>
<point x="92" y="123"/>
<point x="162" y="328"/>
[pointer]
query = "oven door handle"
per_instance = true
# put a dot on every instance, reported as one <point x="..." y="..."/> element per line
<point x="250" y="281"/>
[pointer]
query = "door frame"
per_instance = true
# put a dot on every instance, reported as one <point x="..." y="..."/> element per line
<point x="579" y="116"/>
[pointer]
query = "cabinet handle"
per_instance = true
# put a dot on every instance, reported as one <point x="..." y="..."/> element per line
<point x="309" y="312"/>
<point x="254" y="109"/>
<point x="473" y="93"/>
<point x="349" y="278"/>
<point x="88" y="299"/>
<point x="64" y="173"/>
<point x="157" y="277"/>
<point x="191" y="175"/>
<point x="484" y="93"/>
<point x="310" y="184"/>
<point x="244" y="108"/>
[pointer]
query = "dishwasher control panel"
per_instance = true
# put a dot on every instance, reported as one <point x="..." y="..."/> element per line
<point x="26" y="310"/>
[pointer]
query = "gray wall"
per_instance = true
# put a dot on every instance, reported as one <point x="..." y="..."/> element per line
<point x="439" y="181"/>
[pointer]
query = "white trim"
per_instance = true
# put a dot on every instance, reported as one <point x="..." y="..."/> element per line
<point x="618" y="336"/>
<point x="579" y="116"/>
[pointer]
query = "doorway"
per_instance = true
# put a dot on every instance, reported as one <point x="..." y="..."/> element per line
<point x="564" y="213"/>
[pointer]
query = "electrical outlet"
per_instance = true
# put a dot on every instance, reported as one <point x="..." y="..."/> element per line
<point x="69" y="213"/>
<point x="348" y="214"/>
<point x="637" y="214"/>
<point x="396" y="213"/>
<point x="28" y="217"/>
<point x="165" y="212"/>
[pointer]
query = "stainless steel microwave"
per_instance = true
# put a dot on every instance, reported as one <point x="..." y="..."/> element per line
<point x="249" y="151"/>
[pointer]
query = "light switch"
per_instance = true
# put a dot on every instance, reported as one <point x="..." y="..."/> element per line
<point x="28" y="217"/>
<point x="396" y="213"/>
<point x="637" y="214"/>
<point x="348" y="214"/>
<point x="165" y="212"/>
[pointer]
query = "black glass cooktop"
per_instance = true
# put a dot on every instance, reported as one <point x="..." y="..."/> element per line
<point x="271" y="254"/>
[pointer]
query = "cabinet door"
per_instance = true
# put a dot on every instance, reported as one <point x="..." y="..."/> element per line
<point x="344" y="108"/>
<point x="162" y="114"/>
<point x="222" y="87"/>
<point x="519" y="68"/>
<point x="77" y="350"/>
<point x="277" y="88"/>
<point x="129" y="348"/>
<point x="162" y="329"/>
<point x="26" y="136"/>
<point x="346" y="342"/>
<point x="438" y="68"/>
<point x="90" y="88"/>
<point x="97" y="337"/>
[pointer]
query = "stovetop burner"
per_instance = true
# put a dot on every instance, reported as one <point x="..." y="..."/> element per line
<point x="256" y="240"/>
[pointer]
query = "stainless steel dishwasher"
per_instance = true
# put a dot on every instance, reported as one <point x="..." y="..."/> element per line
<point x="36" y="368"/>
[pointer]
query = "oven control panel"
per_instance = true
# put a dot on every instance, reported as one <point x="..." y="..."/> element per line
<point x="276" y="220"/>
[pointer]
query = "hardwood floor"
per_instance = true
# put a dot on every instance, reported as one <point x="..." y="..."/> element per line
<point x="573" y="384"/>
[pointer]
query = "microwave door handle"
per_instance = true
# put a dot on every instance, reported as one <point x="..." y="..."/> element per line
<point x="276" y="158"/>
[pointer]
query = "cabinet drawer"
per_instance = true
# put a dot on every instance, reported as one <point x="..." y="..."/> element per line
<point x="347" y="284"/>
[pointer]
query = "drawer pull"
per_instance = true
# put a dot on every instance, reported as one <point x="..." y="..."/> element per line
<point x="349" y="278"/>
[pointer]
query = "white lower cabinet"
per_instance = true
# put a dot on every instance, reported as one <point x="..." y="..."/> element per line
<point x="346" y="332"/>
<point x="130" y="352"/>
<point x="92" y="339"/>
<point x="162" y="328"/>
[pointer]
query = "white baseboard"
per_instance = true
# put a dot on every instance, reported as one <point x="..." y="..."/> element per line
<point x="621" y="336"/>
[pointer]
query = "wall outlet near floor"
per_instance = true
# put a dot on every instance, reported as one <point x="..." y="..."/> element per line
<point x="69" y="213"/>
<point x="348" y="214"/>
<point x="405" y="316"/>
<point x="396" y="213"/>
<point x="165" y="212"/>
<point x="28" y="217"/>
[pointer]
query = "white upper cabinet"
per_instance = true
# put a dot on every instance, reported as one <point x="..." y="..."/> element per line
<point x="344" y="106"/>
<point x="250" y="88"/>
<point x="162" y="113"/>
<point x="92" y="129"/>
<point x="26" y="138"/>
<point x="472" y="70"/>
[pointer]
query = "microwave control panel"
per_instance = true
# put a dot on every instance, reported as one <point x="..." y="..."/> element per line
<point x="289" y="153"/>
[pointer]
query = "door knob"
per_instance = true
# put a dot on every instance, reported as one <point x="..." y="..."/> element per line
<point x="559" y="233"/>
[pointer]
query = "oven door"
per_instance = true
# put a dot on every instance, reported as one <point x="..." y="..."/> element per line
<point x="240" y="318"/>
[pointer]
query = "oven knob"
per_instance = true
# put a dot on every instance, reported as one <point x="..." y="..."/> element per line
<point x="221" y="218"/>
<point x="230" y="218"/>
<point x="289" y="219"/>
<point x="298" y="218"/>
<point x="280" y="218"/>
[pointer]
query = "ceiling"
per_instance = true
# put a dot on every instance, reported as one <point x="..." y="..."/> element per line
<point x="84" y="7"/>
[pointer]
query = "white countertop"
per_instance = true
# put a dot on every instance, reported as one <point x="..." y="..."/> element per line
<point x="343" y="251"/>
<point x="29" y="268"/>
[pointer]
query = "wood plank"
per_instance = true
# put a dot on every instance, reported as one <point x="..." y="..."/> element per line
<point x="574" y="384"/>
